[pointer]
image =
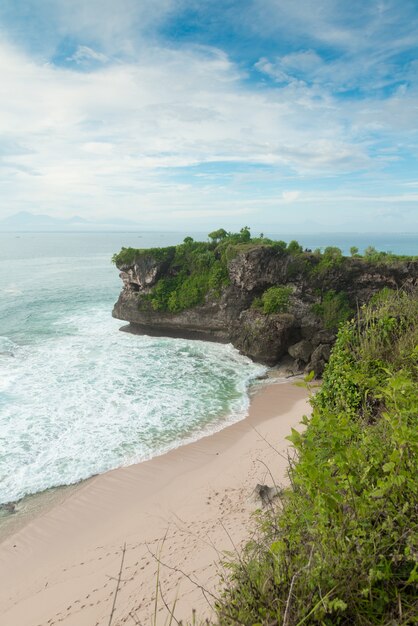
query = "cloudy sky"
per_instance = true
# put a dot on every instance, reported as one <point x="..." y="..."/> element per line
<point x="205" y="113"/>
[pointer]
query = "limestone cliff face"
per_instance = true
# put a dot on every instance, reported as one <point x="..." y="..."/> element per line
<point x="299" y="332"/>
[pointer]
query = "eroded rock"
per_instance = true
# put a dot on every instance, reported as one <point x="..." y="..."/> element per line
<point x="301" y="351"/>
<point x="266" y="493"/>
<point x="299" y="332"/>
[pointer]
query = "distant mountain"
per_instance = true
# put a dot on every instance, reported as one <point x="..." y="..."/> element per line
<point x="77" y="220"/>
<point x="26" y="221"/>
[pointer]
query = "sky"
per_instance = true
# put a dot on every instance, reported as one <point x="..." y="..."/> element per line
<point x="194" y="114"/>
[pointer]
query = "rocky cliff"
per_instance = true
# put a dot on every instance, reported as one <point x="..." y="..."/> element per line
<point x="319" y="292"/>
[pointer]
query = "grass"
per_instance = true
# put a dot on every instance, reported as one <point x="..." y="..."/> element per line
<point x="342" y="547"/>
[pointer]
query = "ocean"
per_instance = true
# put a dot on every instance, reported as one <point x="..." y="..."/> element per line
<point x="77" y="396"/>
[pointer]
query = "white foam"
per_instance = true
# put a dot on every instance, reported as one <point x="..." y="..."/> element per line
<point x="13" y="290"/>
<point x="92" y="398"/>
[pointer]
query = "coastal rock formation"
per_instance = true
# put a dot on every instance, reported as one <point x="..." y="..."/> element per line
<point x="317" y="296"/>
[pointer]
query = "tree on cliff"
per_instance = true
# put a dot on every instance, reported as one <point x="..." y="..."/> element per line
<point x="218" y="235"/>
<point x="245" y="234"/>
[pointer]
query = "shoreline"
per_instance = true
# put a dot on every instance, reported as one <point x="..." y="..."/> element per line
<point x="61" y="566"/>
<point x="33" y="505"/>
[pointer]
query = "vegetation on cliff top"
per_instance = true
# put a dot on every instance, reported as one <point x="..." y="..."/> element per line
<point x="342" y="547"/>
<point x="194" y="269"/>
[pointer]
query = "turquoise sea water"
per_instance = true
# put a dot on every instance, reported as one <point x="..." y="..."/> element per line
<point x="78" y="397"/>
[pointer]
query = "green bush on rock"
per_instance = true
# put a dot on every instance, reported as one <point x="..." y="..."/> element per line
<point x="334" y="309"/>
<point x="274" y="300"/>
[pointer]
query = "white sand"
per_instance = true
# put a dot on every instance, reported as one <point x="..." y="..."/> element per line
<point x="61" y="568"/>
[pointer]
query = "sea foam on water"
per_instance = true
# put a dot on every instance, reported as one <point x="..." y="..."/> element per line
<point x="91" y="398"/>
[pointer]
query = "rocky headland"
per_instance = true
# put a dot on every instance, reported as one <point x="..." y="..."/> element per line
<point x="269" y="299"/>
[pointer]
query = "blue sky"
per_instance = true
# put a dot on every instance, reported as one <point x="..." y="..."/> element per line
<point x="197" y="114"/>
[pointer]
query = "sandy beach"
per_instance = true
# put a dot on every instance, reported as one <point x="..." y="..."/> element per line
<point x="187" y="506"/>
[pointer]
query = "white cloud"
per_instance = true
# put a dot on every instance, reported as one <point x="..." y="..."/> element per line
<point x="364" y="42"/>
<point x="291" y="196"/>
<point x="291" y="67"/>
<point x="106" y="141"/>
<point x="85" y="54"/>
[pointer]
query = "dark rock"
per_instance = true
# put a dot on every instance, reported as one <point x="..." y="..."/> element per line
<point x="286" y="368"/>
<point x="208" y="321"/>
<point x="320" y="357"/>
<point x="258" y="268"/>
<point x="262" y="337"/>
<point x="323" y="336"/>
<point x="266" y="493"/>
<point x="298" y="366"/>
<point x="142" y="274"/>
<point x="308" y="331"/>
<point x="301" y="351"/>
<point x="9" y="507"/>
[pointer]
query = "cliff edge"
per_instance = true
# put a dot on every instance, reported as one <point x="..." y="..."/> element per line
<point x="267" y="298"/>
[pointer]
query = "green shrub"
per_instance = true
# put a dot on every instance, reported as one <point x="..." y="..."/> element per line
<point x="274" y="300"/>
<point x="334" y="309"/>
<point x="385" y="258"/>
<point x="128" y="256"/>
<point x="342" y="548"/>
<point x="331" y="258"/>
<point x="189" y="292"/>
<point x="294" y="247"/>
<point x="218" y="235"/>
<point x="162" y="292"/>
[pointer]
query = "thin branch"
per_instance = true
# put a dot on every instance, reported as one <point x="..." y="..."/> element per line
<point x="286" y="615"/>
<point x="269" y="444"/>
<point x="269" y="471"/>
<point x="170" y="611"/>
<point x="183" y="573"/>
<point x="117" y="586"/>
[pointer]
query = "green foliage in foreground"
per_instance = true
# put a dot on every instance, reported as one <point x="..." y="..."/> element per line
<point x="274" y="300"/>
<point x="343" y="548"/>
